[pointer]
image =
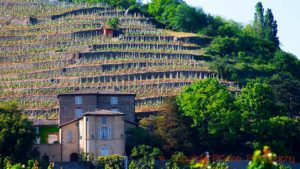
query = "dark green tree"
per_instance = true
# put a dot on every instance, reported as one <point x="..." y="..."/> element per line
<point x="140" y="136"/>
<point x="17" y="135"/>
<point x="188" y="19"/>
<point x="210" y="105"/>
<point x="172" y="128"/>
<point x="223" y="69"/>
<point x="287" y="92"/>
<point x="262" y="122"/>
<point x="286" y="62"/>
<point x="223" y="47"/>
<point x="271" y="27"/>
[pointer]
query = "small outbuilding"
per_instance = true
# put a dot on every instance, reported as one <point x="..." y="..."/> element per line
<point x="107" y="30"/>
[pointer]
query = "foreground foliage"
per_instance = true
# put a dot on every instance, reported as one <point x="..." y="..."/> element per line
<point x="265" y="160"/>
<point x="111" y="161"/>
<point x="144" y="157"/>
<point x="17" y="135"/>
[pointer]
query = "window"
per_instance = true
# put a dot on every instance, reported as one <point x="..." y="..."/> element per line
<point x="104" y="151"/>
<point x="70" y="136"/>
<point x="115" y="110"/>
<point x="103" y="120"/>
<point x="104" y="133"/>
<point x="114" y="100"/>
<point x="78" y="113"/>
<point x="78" y="99"/>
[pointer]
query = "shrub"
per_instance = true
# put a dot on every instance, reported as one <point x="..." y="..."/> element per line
<point x="74" y="157"/>
<point x="265" y="160"/>
<point x="111" y="161"/>
<point x="178" y="160"/>
<point x="145" y="156"/>
<point x="114" y="23"/>
<point x="87" y="157"/>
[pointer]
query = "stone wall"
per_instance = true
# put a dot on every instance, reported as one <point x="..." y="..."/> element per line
<point x="81" y="11"/>
<point x="68" y="106"/>
<point x="53" y="151"/>
<point x="18" y="20"/>
<point x="73" y="165"/>
<point x="126" y="105"/>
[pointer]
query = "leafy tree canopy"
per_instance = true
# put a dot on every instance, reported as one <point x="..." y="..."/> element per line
<point x="210" y="105"/>
<point x="17" y="135"/>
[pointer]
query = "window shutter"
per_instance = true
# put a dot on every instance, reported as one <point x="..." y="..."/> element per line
<point x="99" y="133"/>
<point x="109" y="133"/>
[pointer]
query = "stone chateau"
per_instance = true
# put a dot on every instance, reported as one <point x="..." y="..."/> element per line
<point x="90" y="121"/>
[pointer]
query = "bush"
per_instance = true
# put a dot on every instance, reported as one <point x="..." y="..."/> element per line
<point x="114" y="23"/>
<point x="31" y="164"/>
<point x="145" y="156"/>
<point x="74" y="157"/>
<point x="264" y="160"/>
<point x="111" y="161"/>
<point x="86" y="157"/>
<point x="177" y="161"/>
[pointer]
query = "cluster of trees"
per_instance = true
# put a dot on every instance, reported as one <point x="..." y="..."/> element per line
<point x="177" y="15"/>
<point x="264" y="24"/>
<point x="207" y="117"/>
<point x="245" y="52"/>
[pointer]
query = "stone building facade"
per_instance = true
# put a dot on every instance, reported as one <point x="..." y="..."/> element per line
<point x="94" y="122"/>
<point x="101" y="132"/>
<point x="74" y="104"/>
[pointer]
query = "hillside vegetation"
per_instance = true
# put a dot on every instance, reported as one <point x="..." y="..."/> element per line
<point x="205" y="115"/>
<point x="237" y="52"/>
<point x="47" y="49"/>
<point x="50" y="48"/>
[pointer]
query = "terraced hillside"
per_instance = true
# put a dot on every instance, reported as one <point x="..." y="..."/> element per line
<point x="48" y="49"/>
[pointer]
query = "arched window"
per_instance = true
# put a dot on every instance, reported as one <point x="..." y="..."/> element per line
<point x="104" y="151"/>
<point x="70" y="136"/>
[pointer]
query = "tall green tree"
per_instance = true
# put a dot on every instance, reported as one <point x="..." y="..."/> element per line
<point x="271" y="27"/>
<point x="17" y="135"/>
<point x="259" y="19"/>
